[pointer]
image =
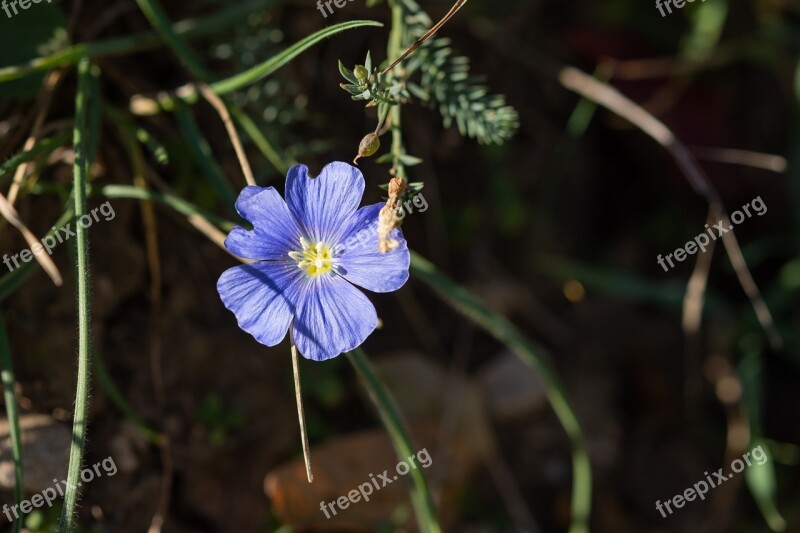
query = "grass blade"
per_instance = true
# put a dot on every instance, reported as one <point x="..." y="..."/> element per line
<point x="501" y="329"/>
<point x="395" y="425"/>
<point x="67" y="522"/>
<point x="7" y="374"/>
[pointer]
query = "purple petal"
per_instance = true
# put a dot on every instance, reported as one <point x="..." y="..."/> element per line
<point x="336" y="317"/>
<point x="263" y="296"/>
<point x="275" y="232"/>
<point x="323" y="205"/>
<point x="360" y="261"/>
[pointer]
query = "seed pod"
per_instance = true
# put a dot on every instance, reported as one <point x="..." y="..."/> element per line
<point x="368" y="146"/>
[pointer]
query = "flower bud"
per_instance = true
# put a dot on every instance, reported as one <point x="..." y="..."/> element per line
<point x="368" y="146"/>
<point x="361" y="73"/>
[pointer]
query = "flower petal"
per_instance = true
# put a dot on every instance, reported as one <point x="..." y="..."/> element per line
<point x="336" y="317"/>
<point x="323" y="205"/>
<point x="275" y="232"/>
<point x="263" y="296"/>
<point x="361" y="263"/>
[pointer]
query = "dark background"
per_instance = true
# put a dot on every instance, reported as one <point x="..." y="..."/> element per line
<point x="558" y="230"/>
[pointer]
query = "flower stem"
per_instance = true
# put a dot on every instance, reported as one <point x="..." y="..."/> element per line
<point x="395" y="45"/>
<point x="67" y="521"/>
<point x="301" y="415"/>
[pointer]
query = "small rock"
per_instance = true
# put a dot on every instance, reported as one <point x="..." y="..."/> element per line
<point x="45" y="452"/>
<point x="512" y="388"/>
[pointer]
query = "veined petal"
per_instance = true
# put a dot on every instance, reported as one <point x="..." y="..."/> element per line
<point x="263" y="296"/>
<point x="323" y="205"/>
<point x="335" y="317"/>
<point x="361" y="263"/>
<point x="275" y="232"/>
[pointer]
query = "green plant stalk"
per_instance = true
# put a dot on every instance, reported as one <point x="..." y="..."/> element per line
<point x="7" y="374"/>
<point x="393" y="422"/>
<point x="394" y="49"/>
<point x="67" y="522"/>
<point x="133" y="43"/>
<point x="502" y="330"/>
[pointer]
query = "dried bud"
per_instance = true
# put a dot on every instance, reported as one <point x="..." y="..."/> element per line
<point x="361" y="73"/>
<point x="397" y="186"/>
<point x="368" y="146"/>
<point x="387" y="219"/>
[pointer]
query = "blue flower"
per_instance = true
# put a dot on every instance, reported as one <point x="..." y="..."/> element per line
<point x="310" y="252"/>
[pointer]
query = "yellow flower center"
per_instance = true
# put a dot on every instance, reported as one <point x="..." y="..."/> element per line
<point x="315" y="260"/>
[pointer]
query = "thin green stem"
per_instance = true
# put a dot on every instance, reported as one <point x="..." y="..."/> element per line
<point x="7" y="375"/>
<point x="500" y="328"/>
<point x="393" y="422"/>
<point x="394" y="48"/>
<point x="79" y="424"/>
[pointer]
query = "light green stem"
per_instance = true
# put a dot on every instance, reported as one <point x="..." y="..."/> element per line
<point x="79" y="424"/>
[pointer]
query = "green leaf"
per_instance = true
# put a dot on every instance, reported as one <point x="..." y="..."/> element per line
<point x="409" y="160"/>
<point x="347" y="74"/>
